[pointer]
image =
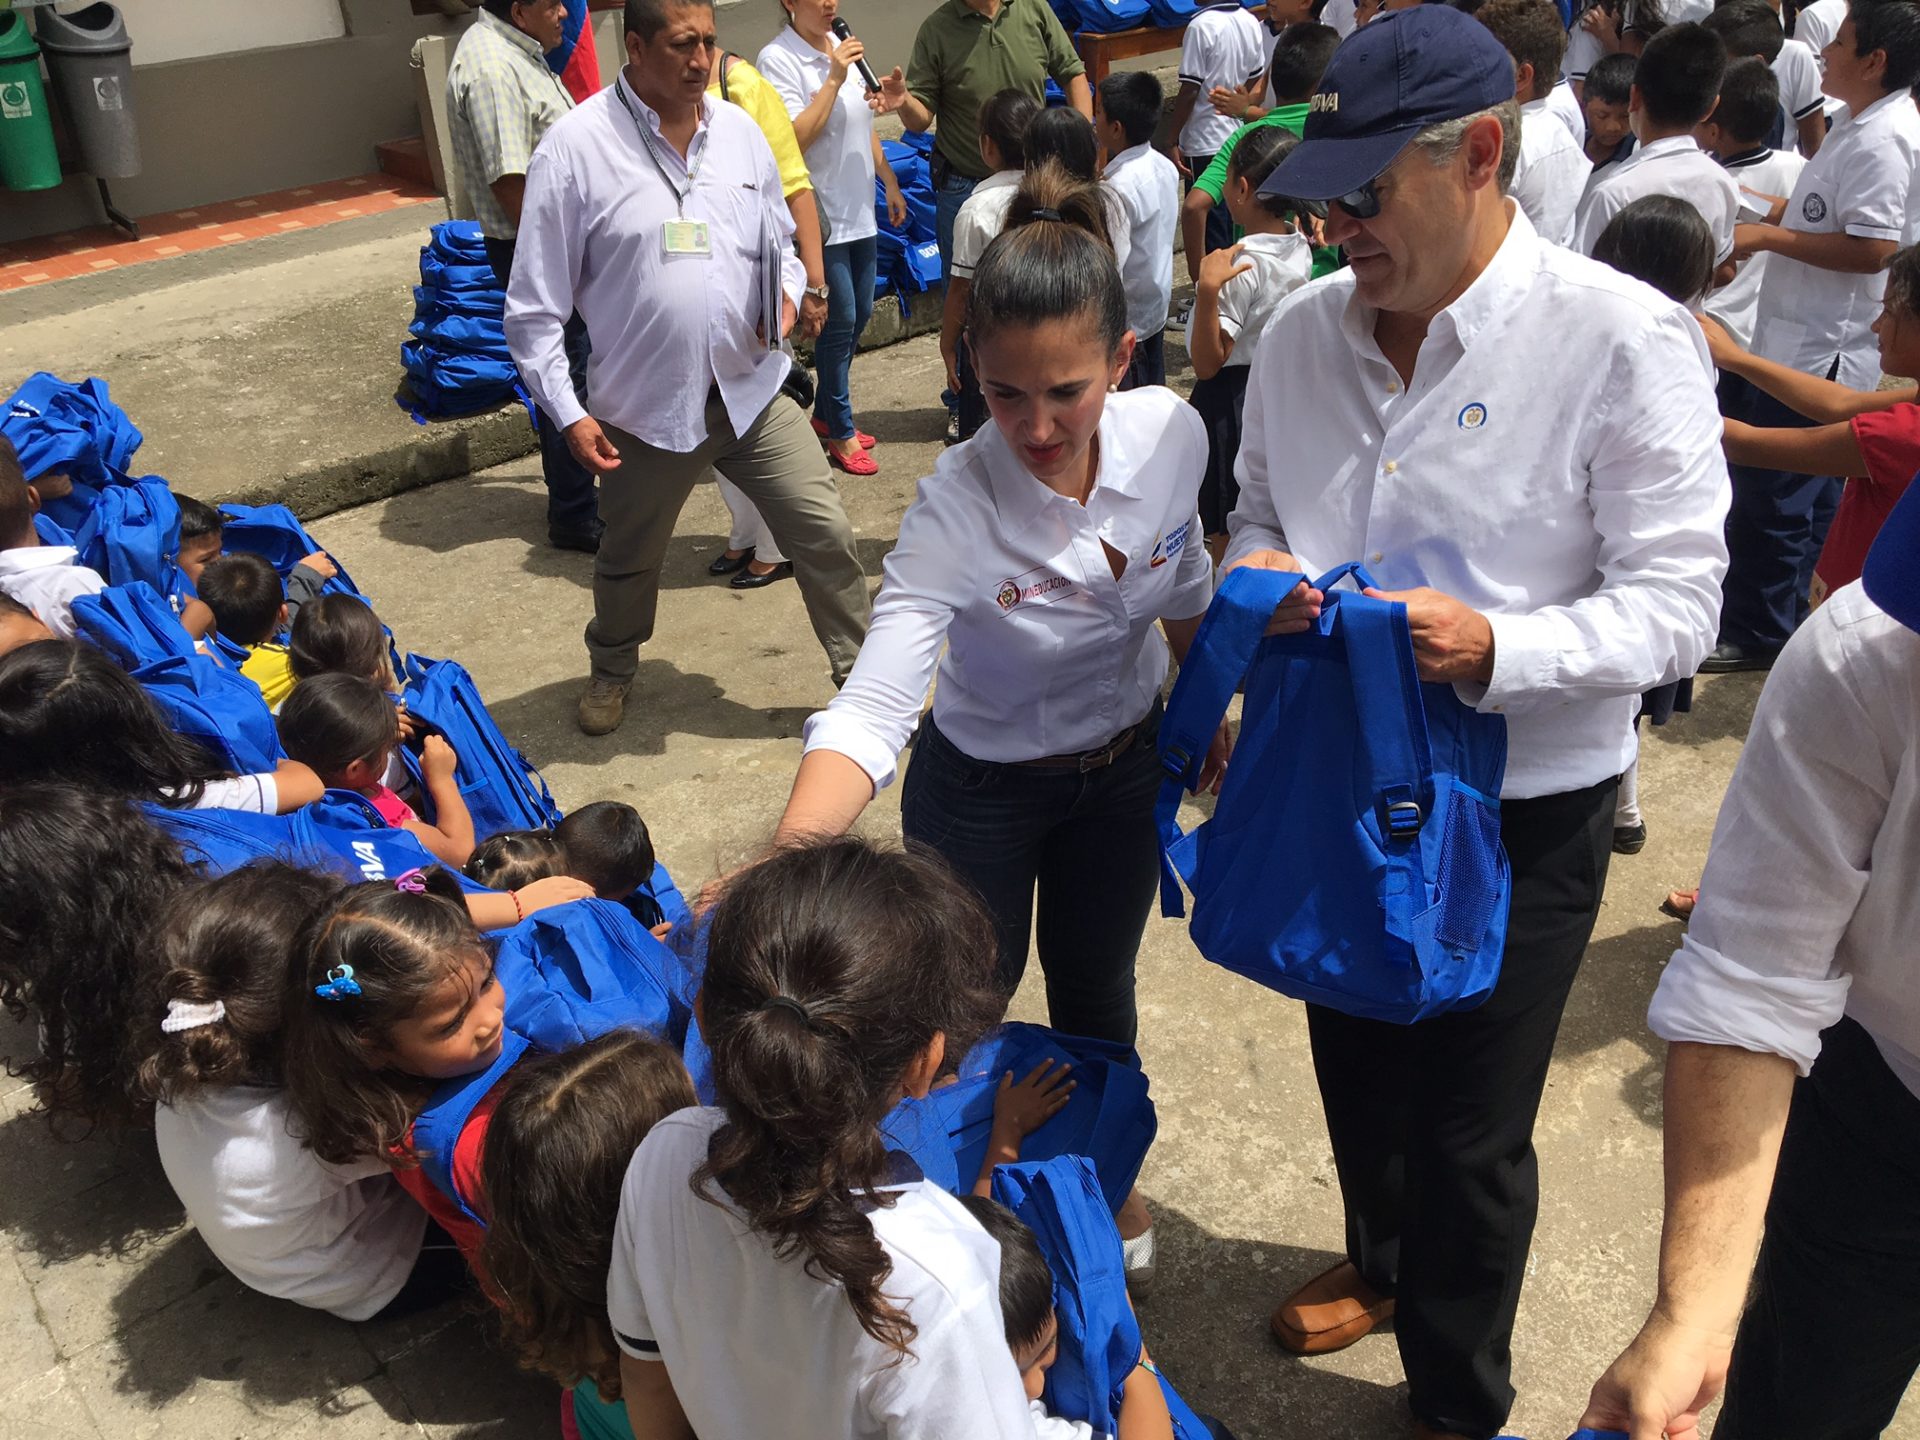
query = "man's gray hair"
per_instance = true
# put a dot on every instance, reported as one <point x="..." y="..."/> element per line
<point x="1443" y="141"/>
<point x="647" y="18"/>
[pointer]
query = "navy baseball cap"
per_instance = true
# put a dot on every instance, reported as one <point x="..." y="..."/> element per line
<point x="1892" y="572"/>
<point x="1389" y="80"/>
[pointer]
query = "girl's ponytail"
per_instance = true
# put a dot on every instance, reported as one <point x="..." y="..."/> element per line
<point x="833" y="969"/>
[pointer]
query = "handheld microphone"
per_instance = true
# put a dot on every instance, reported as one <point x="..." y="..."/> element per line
<point x="843" y="33"/>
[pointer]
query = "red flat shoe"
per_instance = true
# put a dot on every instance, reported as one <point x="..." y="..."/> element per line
<point x="858" y="463"/>
<point x="867" y="442"/>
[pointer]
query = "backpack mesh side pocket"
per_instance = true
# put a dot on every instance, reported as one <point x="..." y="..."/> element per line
<point x="1469" y="872"/>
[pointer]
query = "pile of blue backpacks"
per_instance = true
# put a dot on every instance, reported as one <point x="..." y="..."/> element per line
<point x="457" y="362"/>
<point x="1103" y="17"/>
<point x="907" y="260"/>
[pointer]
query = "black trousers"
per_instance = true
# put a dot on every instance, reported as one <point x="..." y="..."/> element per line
<point x="1432" y="1124"/>
<point x="1831" y="1336"/>
<point x="1149" y="363"/>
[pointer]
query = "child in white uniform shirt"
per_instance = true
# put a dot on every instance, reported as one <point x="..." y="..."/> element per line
<point x="779" y="1228"/>
<point x="1736" y="134"/>
<point x="1675" y="86"/>
<point x="1147" y="185"/>
<point x="47" y="579"/>
<point x="1552" y="171"/>
<point x="345" y="1239"/>
<point x="1225" y="47"/>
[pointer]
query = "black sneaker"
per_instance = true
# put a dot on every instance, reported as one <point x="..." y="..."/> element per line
<point x="1629" y="839"/>
<point x="953" y="427"/>
<point x="1731" y="659"/>
<point x="587" y="541"/>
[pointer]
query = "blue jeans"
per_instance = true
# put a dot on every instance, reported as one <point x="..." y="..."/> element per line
<point x="1084" y="844"/>
<point x="947" y="202"/>
<point x="850" y="269"/>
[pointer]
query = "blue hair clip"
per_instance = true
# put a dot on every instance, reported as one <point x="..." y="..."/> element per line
<point x="340" y="984"/>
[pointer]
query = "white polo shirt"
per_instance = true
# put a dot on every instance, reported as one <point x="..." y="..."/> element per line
<point x="1248" y="303"/>
<point x="1147" y="185"/>
<point x="1565" y="107"/>
<point x="1763" y="172"/>
<point x="1563" y="478"/>
<point x="1046" y="653"/>
<point x="1800" y="94"/>
<point x="1859" y="183"/>
<point x="840" y="159"/>
<point x="1552" y="172"/>
<point x="1225" y="45"/>
<point x="1807" y="907"/>
<point x="1674" y="166"/>
<point x="1818" y="23"/>
<point x="666" y="328"/>
<point x="755" y="1346"/>
<point x="47" y="579"/>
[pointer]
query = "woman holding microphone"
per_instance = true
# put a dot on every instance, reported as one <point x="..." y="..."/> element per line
<point x="822" y="77"/>
<point x="1047" y="554"/>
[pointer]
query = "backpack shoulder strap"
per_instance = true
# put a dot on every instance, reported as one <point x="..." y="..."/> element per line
<point x="437" y="1131"/>
<point x="1222" y="649"/>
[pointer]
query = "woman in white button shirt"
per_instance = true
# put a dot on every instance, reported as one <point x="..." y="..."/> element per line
<point x="1042" y="553"/>
<point x="833" y="121"/>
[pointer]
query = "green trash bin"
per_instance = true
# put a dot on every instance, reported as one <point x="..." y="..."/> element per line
<point x="27" y="157"/>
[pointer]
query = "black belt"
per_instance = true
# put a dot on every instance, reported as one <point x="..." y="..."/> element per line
<point x="1087" y="760"/>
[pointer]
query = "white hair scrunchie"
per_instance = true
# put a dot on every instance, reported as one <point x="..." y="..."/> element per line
<point x="187" y="1015"/>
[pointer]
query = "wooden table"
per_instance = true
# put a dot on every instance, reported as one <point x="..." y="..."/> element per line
<point x="1098" y="51"/>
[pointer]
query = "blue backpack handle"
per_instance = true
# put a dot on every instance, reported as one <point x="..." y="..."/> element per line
<point x="1352" y="568"/>
<point x="1222" y="649"/>
<point x="1599" y="1435"/>
<point x="1380" y="657"/>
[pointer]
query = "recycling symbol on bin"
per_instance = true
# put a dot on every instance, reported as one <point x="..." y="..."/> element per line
<point x="14" y="104"/>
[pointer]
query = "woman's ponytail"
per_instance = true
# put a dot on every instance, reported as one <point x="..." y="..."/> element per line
<point x="1053" y="261"/>
<point x="834" y="969"/>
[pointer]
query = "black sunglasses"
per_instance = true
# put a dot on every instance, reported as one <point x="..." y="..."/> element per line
<point x="1361" y="204"/>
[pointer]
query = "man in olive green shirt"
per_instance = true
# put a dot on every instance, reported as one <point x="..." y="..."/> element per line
<point x="968" y="51"/>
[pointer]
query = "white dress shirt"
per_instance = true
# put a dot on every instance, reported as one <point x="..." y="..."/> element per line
<point x="1563" y="478"/>
<point x="1675" y="166"/>
<point x="1225" y="46"/>
<point x="1859" y="183"/>
<point x="1763" y="172"/>
<point x="47" y="579"/>
<point x="1046" y="652"/>
<point x="1342" y="15"/>
<point x="1551" y="174"/>
<point x="1809" y="904"/>
<point x="666" y="328"/>
<point x="1564" y="107"/>
<point x="1147" y="185"/>
<point x="841" y="156"/>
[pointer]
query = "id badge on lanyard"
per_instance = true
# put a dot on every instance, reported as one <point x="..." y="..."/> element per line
<point x="682" y="236"/>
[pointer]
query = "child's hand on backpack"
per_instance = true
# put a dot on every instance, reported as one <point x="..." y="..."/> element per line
<point x="409" y="727"/>
<point x="1020" y="1109"/>
<point x="320" y="561"/>
<point x="437" y="760"/>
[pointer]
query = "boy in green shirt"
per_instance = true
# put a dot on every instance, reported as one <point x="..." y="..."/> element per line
<point x="1300" y="56"/>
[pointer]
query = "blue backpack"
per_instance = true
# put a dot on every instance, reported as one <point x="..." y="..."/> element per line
<point x="502" y="791"/>
<point x="1102" y="17"/>
<point x="459" y="364"/>
<point x="570" y="973"/>
<point x="341" y="834"/>
<point x="75" y="430"/>
<point x="133" y="533"/>
<point x="221" y="709"/>
<point x="1354" y="858"/>
<point x="275" y="534"/>
<point x="135" y="624"/>
<point x="1099" y="1346"/>
<point x="1109" y="1117"/>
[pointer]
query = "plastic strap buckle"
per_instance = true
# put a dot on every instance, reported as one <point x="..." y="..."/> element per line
<point x="1404" y="819"/>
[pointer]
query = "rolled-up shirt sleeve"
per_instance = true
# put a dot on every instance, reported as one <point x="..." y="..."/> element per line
<point x="1791" y="858"/>
<point x="873" y="716"/>
<point x="1658" y="489"/>
<point x="546" y="275"/>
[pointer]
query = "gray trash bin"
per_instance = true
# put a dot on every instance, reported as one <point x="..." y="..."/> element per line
<point x="90" y="59"/>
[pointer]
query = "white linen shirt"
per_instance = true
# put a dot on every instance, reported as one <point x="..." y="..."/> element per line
<point x="47" y="579"/>
<point x="1858" y="183"/>
<point x="1046" y="652"/>
<point x="755" y="1346"/>
<point x="1551" y="174"/>
<point x="1675" y="166"/>
<point x="1764" y="172"/>
<point x="1147" y="185"/>
<point x="665" y="328"/>
<point x="841" y="156"/>
<point x="1564" y="479"/>
<point x="1225" y="46"/>
<point x="1808" y="907"/>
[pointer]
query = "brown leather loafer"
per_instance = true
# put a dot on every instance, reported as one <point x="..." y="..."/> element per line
<point x="1330" y="1312"/>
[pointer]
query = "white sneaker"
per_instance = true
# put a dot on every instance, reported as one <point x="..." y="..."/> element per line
<point x="1138" y="1253"/>
<point x="1181" y="317"/>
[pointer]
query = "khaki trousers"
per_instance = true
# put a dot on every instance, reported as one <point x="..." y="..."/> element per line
<point x="779" y="465"/>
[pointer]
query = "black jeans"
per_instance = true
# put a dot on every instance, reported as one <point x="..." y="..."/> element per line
<point x="1432" y="1123"/>
<point x="1086" y="843"/>
<point x="1149" y="363"/>
<point x="1831" y="1336"/>
<point x="1775" y="528"/>
<point x="571" y="505"/>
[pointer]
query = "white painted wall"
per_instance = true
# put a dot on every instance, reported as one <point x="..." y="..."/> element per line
<point x="165" y="30"/>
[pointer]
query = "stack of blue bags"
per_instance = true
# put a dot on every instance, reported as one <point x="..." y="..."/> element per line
<point x="1103" y="17"/>
<point x="907" y="259"/>
<point x="457" y="362"/>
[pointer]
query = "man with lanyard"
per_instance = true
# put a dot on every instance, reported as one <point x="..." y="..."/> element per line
<point x="1556" y="553"/>
<point x="501" y="99"/>
<point x="966" y="52"/>
<point x="658" y="213"/>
